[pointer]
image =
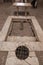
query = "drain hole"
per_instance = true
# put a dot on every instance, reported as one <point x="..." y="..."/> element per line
<point x="22" y="52"/>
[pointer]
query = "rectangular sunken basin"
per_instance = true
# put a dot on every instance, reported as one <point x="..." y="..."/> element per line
<point x="20" y="53"/>
<point x="21" y="26"/>
<point x="21" y="31"/>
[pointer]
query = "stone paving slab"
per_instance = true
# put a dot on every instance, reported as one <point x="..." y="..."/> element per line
<point x="11" y="46"/>
<point x="21" y="39"/>
<point x="5" y="29"/>
<point x="37" y="28"/>
<point x="32" y="60"/>
<point x="13" y="60"/>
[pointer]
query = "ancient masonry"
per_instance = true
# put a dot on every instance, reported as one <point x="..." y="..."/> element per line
<point x="20" y="37"/>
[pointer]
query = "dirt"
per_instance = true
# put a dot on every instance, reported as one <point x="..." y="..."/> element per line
<point x="21" y="30"/>
<point x="39" y="54"/>
<point x="3" y="57"/>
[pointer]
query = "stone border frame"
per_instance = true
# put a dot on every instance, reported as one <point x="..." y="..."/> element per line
<point x="11" y="46"/>
<point x="8" y="26"/>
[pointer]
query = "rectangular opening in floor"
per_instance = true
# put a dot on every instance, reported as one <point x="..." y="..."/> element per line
<point x="21" y="28"/>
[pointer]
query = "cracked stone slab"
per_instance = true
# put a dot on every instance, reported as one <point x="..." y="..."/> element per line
<point x="13" y="60"/>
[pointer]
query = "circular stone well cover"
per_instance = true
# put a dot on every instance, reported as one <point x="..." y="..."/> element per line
<point x="22" y="52"/>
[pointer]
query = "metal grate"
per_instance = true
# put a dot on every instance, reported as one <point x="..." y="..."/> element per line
<point x="22" y="52"/>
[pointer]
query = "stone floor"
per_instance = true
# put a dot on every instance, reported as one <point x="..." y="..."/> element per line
<point x="5" y="11"/>
<point x="40" y="57"/>
<point x="3" y="56"/>
<point x="11" y="57"/>
<point x="38" y="13"/>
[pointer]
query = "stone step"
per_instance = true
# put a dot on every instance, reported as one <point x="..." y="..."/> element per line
<point x="21" y="39"/>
